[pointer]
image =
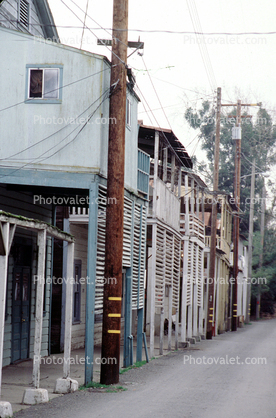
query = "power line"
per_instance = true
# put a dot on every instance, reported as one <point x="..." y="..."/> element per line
<point x="105" y="95"/>
<point x="90" y="29"/>
<point x="156" y="93"/>
<point x="153" y="30"/>
<point x="59" y="88"/>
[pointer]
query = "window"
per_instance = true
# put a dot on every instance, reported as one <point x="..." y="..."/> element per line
<point x="128" y="112"/>
<point x="24" y="13"/>
<point x="77" y="292"/>
<point x="44" y="84"/>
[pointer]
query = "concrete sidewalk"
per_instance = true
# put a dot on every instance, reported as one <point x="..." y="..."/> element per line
<point x="18" y="377"/>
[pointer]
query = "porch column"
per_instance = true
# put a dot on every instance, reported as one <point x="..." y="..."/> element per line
<point x="152" y="289"/>
<point x="201" y="281"/>
<point x="5" y="407"/>
<point x="66" y="384"/>
<point x="140" y="311"/>
<point x="195" y="299"/>
<point x="184" y="290"/>
<point x="170" y="320"/>
<point x="91" y="282"/>
<point x="35" y="395"/>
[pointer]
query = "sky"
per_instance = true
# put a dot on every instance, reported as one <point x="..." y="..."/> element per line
<point x="179" y="69"/>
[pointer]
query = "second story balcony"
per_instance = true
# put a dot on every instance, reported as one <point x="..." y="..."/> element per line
<point x="195" y="226"/>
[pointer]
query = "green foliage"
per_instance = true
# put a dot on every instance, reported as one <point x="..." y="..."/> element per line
<point x="108" y="388"/>
<point x="258" y="141"/>
<point x="137" y="364"/>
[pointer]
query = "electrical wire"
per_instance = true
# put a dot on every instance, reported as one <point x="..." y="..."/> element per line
<point x="112" y="52"/>
<point x="105" y="95"/>
<point x="154" y="30"/>
<point x="156" y="93"/>
<point x="59" y="88"/>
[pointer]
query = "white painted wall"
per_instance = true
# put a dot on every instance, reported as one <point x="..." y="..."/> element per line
<point x="50" y="129"/>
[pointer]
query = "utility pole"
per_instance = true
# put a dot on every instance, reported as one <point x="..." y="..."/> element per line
<point x="262" y="248"/>
<point x="112" y="302"/>
<point x="237" y="217"/>
<point x="214" y="223"/>
<point x="250" y="241"/>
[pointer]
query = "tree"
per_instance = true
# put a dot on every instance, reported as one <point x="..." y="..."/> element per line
<point x="258" y="141"/>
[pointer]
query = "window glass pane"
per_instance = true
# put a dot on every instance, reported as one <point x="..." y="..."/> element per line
<point x="51" y="83"/>
<point x="35" y="83"/>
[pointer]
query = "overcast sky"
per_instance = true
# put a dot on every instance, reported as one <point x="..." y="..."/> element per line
<point x="182" y="73"/>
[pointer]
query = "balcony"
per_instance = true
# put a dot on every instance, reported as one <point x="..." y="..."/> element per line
<point x="221" y="244"/>
<point x="143" y="173"/>
<point x="196" y="226"/>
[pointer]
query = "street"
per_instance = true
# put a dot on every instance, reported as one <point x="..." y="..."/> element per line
<point x="234" y="374"/>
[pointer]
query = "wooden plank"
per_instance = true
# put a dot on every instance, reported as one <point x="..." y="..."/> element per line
<point x="170" y="320"/>
<point x="41" y="242"/>
<point x="3" y="291"/>
<point x="152" y="289"/>
<point x="161" y="337"/>
<point x="91" y="285"/>
<point x="68" y="310"/>
<point x="184" y="291"/>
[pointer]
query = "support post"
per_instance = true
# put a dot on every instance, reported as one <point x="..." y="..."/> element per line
<point x="195" y="301"/>
<point x="258" y="311"/>
<point x="184" y="290"/>
<point x="161" y="341"/>
<point x="214" y="221"/>
<point x="172" y="171"/>
<point x="66" y="384"/>
<point x="139" y="349"/>
<point x="36" y="395"/>
<point x="170" y="320"/>
<point x="91" y="283"/>
<point x="152" y="289"/>
<point x="41" y="243"/>
<point x="236" y="219"/>
<point x="5" y="229"/>
<point x="250" y="242"/>
<point x="127" y="331"/>
<point x="5" y="407"/>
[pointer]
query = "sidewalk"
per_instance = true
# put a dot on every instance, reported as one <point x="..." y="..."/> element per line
<point x="17" y="377"/>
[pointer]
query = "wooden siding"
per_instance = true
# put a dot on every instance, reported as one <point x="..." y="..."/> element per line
<point x="21" y="203"/>
<point x="80" y="233"/>
<point x="9" y="11"/>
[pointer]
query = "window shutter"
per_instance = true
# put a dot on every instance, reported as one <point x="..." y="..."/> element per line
<point x="24" y="13"/>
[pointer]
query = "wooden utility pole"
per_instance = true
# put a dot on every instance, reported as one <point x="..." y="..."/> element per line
<point x="115" y="193"/>
<point x="250" y="241"/>
<point x="214" y="223"/>
<point x="237" y="217"/>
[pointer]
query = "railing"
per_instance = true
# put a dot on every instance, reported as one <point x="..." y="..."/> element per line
<point x="143" y="172"/>
<point x="196" y="226"/>
<point x="221" y="244"/>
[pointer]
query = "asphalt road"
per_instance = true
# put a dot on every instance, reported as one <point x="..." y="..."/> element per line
<point x="232" y="375"/>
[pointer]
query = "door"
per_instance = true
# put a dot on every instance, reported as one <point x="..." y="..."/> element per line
<point x="21" y="313"/>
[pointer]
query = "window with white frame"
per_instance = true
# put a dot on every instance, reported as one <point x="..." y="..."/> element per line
<point x="128" y="112"/>
<point x="24" y="13"/>
<point x="44" y="83"/>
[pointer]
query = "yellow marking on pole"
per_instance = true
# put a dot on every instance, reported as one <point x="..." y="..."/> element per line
<point x="234" y="304"/>
<point x="235" y="316"/>
<point x="211" y="315"/>
<point x="114" y="331"/>
<point x="114" y="315"/>
<point x="211" y="309"/>
<point x="211" y="321"/>
<point x="114" y="298"/>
